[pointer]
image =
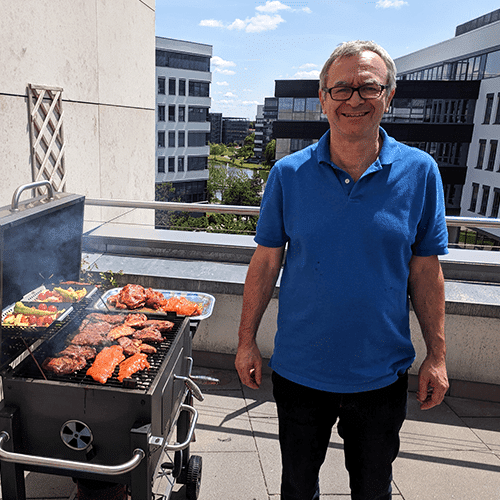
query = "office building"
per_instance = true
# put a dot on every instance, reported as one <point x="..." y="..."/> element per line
<point x="183" y="101"/>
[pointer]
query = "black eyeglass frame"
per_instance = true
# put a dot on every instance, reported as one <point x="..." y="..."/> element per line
<point x="358" y="90"/>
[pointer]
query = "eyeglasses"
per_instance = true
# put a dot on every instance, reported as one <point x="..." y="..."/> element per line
<point x="368" y="91"/>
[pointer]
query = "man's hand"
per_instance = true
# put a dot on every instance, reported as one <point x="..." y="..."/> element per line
<point x="249" y="365"/>
<point x="432" y="383"/>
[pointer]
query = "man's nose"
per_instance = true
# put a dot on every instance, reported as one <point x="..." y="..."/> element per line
<point x="356" y="98"/>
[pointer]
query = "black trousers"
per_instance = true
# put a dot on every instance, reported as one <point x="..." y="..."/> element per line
<point x="368" y="422"/>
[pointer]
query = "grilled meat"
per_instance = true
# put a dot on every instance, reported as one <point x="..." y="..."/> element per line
<point x="146" y="348"/>
<point x="120" y="331"/>
<point x="131" y="365"/>
<point x="92" y="334"/>
<point x="84" y="351"/>
<point x="155" y="299"/>
<point x="130" y="297"/>
<point x="105" y="363"/>
<point x="182" y="307"/>
<point x="134" y="346"/>
<point x="135" y="320"/>
<point x="150" y="334"/>
<point x="160" y="325"/>
<point x="64" y="365"/>
<point x="112" y="319"/>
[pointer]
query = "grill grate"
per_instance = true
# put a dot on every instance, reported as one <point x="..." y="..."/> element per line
<point x="141" y="380"/>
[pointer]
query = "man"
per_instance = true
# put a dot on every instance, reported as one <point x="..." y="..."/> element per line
<point x="363" y="218"/>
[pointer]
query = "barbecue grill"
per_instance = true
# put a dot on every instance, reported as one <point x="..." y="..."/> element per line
<point x="126" y="433"/>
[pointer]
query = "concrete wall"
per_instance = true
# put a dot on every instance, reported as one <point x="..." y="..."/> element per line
<point x="103" y="56"/>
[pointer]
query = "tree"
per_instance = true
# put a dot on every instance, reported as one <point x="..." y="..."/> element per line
<point x="270" y="151"/>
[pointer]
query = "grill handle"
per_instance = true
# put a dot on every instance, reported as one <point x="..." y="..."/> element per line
<point x="195" y="390"/>
<point x="189" y="437"/>
<point x="112" y="470"/>
<point x="33" y="185"/>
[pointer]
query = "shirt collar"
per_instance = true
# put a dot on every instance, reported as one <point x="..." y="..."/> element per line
<point x="389" y="152"/>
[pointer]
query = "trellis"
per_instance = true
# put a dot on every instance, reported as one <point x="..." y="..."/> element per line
<point x="46" y="136"/>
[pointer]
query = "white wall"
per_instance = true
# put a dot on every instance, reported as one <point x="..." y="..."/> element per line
<point x="103" y="56"/>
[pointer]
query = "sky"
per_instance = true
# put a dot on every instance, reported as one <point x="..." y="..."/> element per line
<point x="255" y="43"/>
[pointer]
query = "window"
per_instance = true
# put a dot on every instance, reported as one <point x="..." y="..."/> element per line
<point x="161" y="113"/>
<point x="171" y="86"/>
<point x="480" y="155"/>
<point x="171" y="113"/>
<point x="181" y="141"/>
<point x="182" y="87"/>
<point x="473" y="198"/>
<point x="171" y="139"/>
<point x="497" y="116"/>
<point x="180" y="164"/>
<point x="492" y="68"/>
<point x="161" y="85"/>
<point x="496" y="203"/>
<point x="171" y="163"/>
<point x="197" y="163"/>
<point x="197" y="114"/>
<point x="181" y="114"/>
<point x="484" y="200"/>
<point x="197" y="139"/>
<point x="493" y="154"/>
<point x="161" y="164"/>
<point x="199" y="89"/>
<point x="168" y="59"/>
<point x="489" y="106"/>
<point x="161" y="138"/>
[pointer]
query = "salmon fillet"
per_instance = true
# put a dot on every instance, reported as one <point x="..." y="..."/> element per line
<point x="105" y="362"/>
<point x="131" y="365"/>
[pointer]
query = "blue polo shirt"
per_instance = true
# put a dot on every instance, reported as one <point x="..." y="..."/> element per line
<point x="343" y="320"/>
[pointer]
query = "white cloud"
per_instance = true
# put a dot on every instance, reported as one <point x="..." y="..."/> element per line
<point x="218" y="61"/>
<point x="307" y="75"/>
<point x="308" y="66"/>
<point x="230" y="94"/>
<point x="212" y="23"/>
<point x="225" y="71"/>
<point x="224" y="84"/>
<point x="388" y="4"/>
<point x="257" y="24"/>
<point x="307" y="10"/>
<point x="272" y="7"/>
<point x="250" y="103"/>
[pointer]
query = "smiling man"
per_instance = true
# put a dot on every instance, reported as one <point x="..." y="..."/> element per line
<point x="362" y="216"/>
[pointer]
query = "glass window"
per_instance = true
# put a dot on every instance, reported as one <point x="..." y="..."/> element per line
<point x="484" y="200"/>
<point x="182" y="87"/>
<point x="180" y="164"/>
<point x="497" y="116"/>
<point x="197" y="163"/>
<point x="171" y="113"/>
<point x="496" y="203"/>
<point x="161" y="113"/>
<point x="197" y="139"/>
<point x="299" y="104"/>
<point x="171" y="139"/>
<point x="489" y="107"/>
<point x="181" y="142"/>
<point x="171" y="163"/>
<point x="197" y="114"/>
<point x="493" y="154"/>
<point x="161" y="138"/>
<point x="492" y="68"/>
<point x="168" y="59"/>
<point x="480" y="155"/>
<point x="161" y="164"/>
<point x="473" y="198"/>
<point x="161" y="85"/>
<point x="182" y="114"/>
<point x="171" y="86"/>
<point x="199" y="89"/>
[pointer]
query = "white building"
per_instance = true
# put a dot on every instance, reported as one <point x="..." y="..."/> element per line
<point x="182" y="119"/>
<point x="473" y="54"/>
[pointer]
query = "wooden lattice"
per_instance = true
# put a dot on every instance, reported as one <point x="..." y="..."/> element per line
<point x="46" y="135"/>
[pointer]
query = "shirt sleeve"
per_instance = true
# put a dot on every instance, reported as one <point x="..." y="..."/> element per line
<point x="271" y="225"/>
<point x="432" y="234"/>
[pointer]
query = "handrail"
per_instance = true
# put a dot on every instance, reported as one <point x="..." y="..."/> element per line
<point x="451" y="221"/>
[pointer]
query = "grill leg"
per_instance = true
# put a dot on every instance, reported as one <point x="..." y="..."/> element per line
<point x="11" y="474"/>
<point x="141" y="476"/>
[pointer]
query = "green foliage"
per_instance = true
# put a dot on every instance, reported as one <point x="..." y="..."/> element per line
<point x="270" y="151"/>
<point x="215" y="223"/>
<point x="106" y="280"/>
<point x="233" y="187"/>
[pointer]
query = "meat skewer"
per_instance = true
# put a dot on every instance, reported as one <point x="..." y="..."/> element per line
<point x="105" y="363"/>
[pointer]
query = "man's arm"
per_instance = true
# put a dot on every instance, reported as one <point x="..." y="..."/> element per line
<point x="261" y="279"/>
<point x="426" y="287"/>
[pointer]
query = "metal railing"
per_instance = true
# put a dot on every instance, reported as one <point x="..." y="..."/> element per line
<point x="477" y="224"/>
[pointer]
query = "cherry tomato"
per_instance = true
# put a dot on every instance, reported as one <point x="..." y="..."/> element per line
<point x="32" y="319"/>
<point x="42" y="307"/>
<point x="39" y="321"/>
<point x="47" y="320"/>
<point x="52" y="309"/>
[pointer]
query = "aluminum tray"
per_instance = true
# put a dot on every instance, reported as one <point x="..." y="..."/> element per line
<point x="207" y="301"/>
<point x="31" y="296"/>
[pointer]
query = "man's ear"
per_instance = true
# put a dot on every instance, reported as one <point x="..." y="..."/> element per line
<point x="389" y="99"/>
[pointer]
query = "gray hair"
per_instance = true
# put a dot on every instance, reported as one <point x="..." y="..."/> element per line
<point x="355" y="48"/>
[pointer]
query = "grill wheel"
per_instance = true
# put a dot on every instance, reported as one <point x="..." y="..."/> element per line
<point x="193" y="477"/>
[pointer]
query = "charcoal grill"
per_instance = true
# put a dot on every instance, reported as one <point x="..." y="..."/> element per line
<point x="126" y="433"/>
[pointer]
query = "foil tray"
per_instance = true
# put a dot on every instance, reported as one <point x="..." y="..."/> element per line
<point x="206" y="300"/>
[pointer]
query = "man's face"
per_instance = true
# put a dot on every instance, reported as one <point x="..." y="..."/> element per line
<point x="357" y="117"/>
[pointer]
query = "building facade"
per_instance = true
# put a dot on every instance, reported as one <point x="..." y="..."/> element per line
<point x="235" y="130"/>
<point x="264" y="125"/>
<point x="215" y="128"/>
<point x="183" y="102"/>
